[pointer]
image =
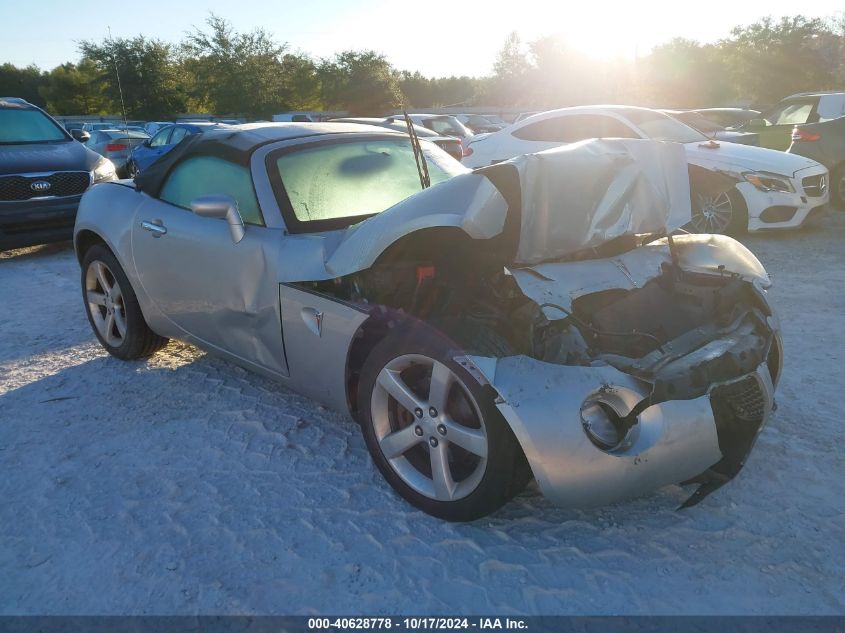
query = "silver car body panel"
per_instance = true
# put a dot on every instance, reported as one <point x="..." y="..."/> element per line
<point x="318" y="332"/>
<point x="672" y="442"/>
<point x="216" y="293"/>
<point x="583" y="195"/>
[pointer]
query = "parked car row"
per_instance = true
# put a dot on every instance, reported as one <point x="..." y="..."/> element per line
<point x="770" y="189"/>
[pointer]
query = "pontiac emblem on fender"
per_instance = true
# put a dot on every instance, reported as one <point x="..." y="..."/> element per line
<point x="40" y="186"/>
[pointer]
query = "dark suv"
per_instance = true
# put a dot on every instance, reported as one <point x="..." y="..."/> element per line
<point x="822" y="137"/>
<point x="43" y="173"/>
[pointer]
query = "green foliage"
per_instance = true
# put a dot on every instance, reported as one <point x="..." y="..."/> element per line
<point x="74" y="88"/>
<point x="22" y="82"/>
<point x="236" y="73"/>
<point x="150" y="79"/>
<point x="770" y="59"/>
<point x="361" y="82"/>
<point x="216" y="69"/>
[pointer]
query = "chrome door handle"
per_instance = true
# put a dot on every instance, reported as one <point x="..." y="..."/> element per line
<point x="155" y="227"/>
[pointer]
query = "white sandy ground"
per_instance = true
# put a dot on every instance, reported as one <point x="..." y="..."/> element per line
<point x="185" y="485"/>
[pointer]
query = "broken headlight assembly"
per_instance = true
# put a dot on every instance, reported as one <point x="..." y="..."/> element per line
<point x="769" y="182"/>
<point x="603" y="424"/>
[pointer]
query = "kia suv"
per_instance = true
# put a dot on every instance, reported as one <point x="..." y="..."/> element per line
<point x="43" y="173"/>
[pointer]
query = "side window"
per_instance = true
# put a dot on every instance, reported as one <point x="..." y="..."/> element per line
<point x="160" y="138"/>
<point x="792" y="113"/>
<point x="178" y="134"/>
<point x="206" y="175"/>
<point x="614" y="128"/>
<point x="574" y="127"/>
<point x="548" y="131"/>
<point x="831" y="107"/>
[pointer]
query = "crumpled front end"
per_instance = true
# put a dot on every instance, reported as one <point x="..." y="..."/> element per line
<point x="703" y="440"/>
<point x="625" y="355"/>
<point x="647" y="369"/>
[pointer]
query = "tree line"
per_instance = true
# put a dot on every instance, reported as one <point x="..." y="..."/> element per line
<point x="216" y="69"/>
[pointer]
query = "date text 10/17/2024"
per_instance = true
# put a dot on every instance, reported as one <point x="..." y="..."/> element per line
<point x="416" y="623"/>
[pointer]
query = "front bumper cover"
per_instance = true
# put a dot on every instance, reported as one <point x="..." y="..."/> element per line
<point x="703" y="440"/>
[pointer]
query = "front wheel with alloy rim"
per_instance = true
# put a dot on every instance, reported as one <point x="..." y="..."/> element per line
<point x="112" y="307"/>
<point x="722" y="212"/>
<point x="434" y="432"/>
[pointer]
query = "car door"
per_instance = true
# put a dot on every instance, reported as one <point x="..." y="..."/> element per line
<point x="777" y="133"/>
<point x="222" y="295"/>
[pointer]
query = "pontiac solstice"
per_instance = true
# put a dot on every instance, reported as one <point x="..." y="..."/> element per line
<point x="543" y="317"/>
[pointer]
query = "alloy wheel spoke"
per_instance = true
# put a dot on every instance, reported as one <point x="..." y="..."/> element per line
<point x="97" y="298"/>
<point x="109" y="326"/>
<point x="399" y="442"/>
<point x="471" y="440"/>
<point x="120" y="322"/>
<point x="441" y="474"/>
<point x="391" y="381"/>
<point x="100" y="269"/>
<point x="441" y="382"/>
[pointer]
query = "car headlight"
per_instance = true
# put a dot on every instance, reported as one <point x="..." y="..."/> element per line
<point x="104" y="170"/>
<point x="769" y="182"/>
<point x="602" y="424"/>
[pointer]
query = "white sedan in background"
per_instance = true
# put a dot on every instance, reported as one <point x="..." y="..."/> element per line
<point x="773" y="189"/>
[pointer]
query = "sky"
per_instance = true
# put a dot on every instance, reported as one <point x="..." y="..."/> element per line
<point x="436" y="37"/>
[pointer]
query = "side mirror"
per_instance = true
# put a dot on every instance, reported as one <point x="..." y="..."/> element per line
<point x="80" y="135"/>
<point x="222" y="207"/>
<point x="756" y="124"/>
<point x="146" y="143"/>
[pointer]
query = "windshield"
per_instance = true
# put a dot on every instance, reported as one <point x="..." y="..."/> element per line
<point x="700" y="123"/>
<point x="129" y="133"/>
<point x="23" y="125"/>
<point x="447" y="126"/>
<point x="344" y="182"/>
<point x="661" y="127"/>
<point x="477" y="119"/>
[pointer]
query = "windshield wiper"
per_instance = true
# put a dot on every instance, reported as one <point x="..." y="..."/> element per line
<point x="419" y="157"/>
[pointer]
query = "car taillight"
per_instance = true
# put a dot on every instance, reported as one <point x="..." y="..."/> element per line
<point x="116" y="147"/>
<point x="804" y="135"/>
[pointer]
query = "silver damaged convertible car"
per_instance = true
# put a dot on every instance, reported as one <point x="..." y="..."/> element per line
<point x="543" y="317"/>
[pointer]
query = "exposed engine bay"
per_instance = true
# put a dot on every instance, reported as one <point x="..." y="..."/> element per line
<point x="676" y="327"/>
<point x="617" y="344"/>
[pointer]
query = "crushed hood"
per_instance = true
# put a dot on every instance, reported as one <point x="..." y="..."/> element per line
<point x="580" y="196"/>
<point x="566" y="200"/>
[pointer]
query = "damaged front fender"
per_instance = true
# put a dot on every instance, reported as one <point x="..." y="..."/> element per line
<point x="671" y="442"/>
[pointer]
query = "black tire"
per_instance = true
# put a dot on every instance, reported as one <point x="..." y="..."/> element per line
<point x="131" y="169"/>
<point x="505" y="471"/>
<point x="738" y="224"/>
<point x="138" y="341"/>
<point x="837" y="187"/>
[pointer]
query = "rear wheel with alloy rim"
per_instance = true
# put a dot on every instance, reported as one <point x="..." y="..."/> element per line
<point x="112" y="307"/>
<point x="723" y="213"/>
<point x="434" y="431"/>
